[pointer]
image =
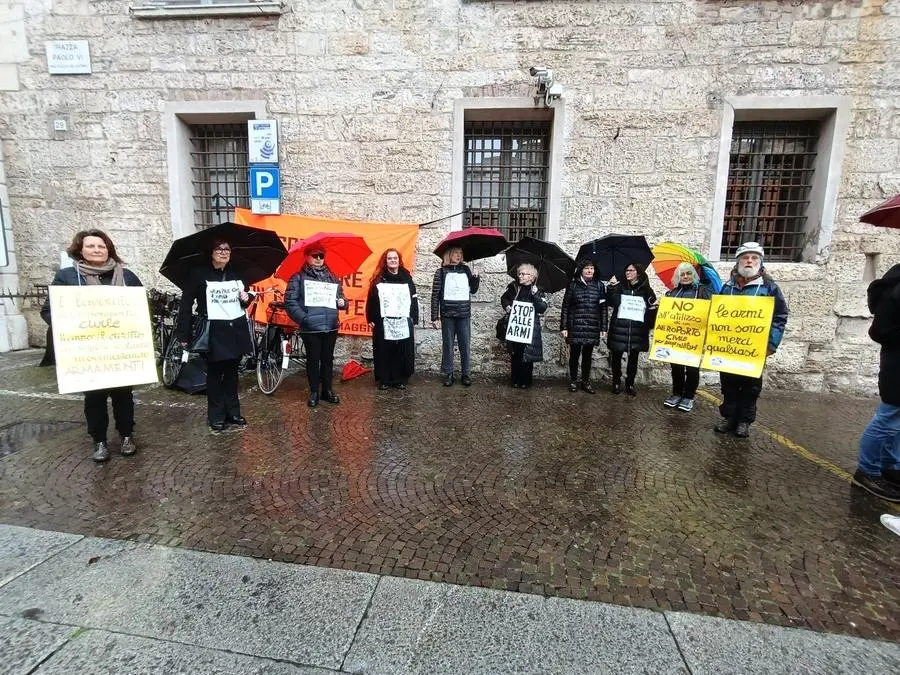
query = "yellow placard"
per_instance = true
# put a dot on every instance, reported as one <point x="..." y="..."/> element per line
<point x="737" y="335"/>
<point x="680" y="330"/>
<point x="102" y="337"/>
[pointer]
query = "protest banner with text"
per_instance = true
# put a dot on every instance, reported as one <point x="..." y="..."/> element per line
<point x="680" y="331"/>
<point x="102" y="337"/>
<point x="737" y="335"/>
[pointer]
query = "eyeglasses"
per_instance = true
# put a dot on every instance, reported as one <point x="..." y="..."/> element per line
<point x="222" y="249"/>
<point x="317" y="256"/>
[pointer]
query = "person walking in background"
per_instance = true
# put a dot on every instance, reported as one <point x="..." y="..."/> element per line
<point x="685" y="379"/>
<point x="96" y="264"/>
<point x="583" y="322"/>
<point x="451" y="311"/>
<point x="228" y="338"/>
<point x="524" y="353"/>
<point x="312" y="299"/>
<point x="392" y="290"/>
<point x="629" y="328"/>
<point x="878" y="466"/>
<point x="739" y="392"/>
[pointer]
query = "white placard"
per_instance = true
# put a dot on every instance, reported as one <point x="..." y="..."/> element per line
<point x="223" y="301"/>
<point x="521" y="322"/>
<point x="632" y="308"/>
<point x="456" y="286"/>
<point x="262" y="141"/>
<point x="394" y="299"/>
<point x="319" y="294"/>
<point x="395" y="328"/>
<point x="68" y="57"/>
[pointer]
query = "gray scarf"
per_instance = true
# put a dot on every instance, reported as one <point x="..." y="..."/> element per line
<point x="92" y="274"/>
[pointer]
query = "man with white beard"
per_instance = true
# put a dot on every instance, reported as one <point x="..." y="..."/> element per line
<point x="740" y="392"/>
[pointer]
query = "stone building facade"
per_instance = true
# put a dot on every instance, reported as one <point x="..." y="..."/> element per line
<point x="374" y="99"/>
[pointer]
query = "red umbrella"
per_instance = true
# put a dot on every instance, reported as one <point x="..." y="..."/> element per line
<point x="344" y="253"/>
<point x="475" y="242"/>
<point x="884" y="215"/>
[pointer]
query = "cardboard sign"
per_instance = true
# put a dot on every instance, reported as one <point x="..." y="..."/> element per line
<point x="102" y="337"/>
<point x="395" y="299"/>
<point x="680" y="331"/>
<point x="319" y="294"/>
<point x="632" y="308"/>
<point x="737" y="337"/>
<point x="223" y="301"/>
<point x="395" y="328"/>
<point x="521" y="322"/>
<point x="456" y="286"/>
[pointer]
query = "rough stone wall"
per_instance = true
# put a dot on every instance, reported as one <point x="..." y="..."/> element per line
<point x="364" y="92"/>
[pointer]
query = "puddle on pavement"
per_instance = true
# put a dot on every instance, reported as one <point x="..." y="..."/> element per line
<point x="15" y="437"/>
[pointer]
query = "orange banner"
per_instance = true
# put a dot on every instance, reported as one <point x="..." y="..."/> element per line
<point x="378" y="236"/>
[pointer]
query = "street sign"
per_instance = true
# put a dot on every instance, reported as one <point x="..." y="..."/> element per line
<point x="262" y="137"/>
<point x="265" y="189"/>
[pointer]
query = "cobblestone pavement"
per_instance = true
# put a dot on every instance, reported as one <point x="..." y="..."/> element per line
<point x="542" y="491"/>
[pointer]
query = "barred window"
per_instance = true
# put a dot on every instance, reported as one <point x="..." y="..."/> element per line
<point x="770" y="175"/>
<point x="218" y="172"/>
<point x="505" y="179"/>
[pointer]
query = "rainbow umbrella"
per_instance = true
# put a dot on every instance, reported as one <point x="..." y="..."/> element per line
<point x="668" y="255"/>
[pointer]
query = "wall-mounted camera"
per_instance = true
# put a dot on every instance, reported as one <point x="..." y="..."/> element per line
<point x="546" y="87"/>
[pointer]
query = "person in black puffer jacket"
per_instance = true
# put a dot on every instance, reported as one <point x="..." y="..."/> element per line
<point x="685" y="379"/>
<point x="629" y="328"/>
<point x="451" y="311"/>
<point x="583" y="322"/>
<point x="318" y="322"/>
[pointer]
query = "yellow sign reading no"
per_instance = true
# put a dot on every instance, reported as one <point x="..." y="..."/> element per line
<point x="102" y="337"/>
<point x="737" y="336"/>
<point x="680" y="331"/>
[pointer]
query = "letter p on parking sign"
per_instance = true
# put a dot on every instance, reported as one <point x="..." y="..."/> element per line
<point x="265" y="190"/>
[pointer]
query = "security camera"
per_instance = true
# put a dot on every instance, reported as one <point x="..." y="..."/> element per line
<point x="536" y="71"/>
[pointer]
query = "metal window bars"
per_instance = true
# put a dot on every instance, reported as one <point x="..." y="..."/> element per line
<point x="219" y="172"/>
<point x="505" y="180"/>
<point x="770" y="175"/>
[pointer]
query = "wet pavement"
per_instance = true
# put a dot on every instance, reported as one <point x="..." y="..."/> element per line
<point x="541" y="491"/>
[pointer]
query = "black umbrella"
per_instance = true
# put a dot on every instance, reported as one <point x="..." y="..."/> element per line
<point x="555" y="267"/>
<point x="614" y="252"/>
<point x="255" y="253"/>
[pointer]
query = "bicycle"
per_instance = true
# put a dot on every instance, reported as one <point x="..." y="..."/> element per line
<point x="277" y="341"/>
<point x="163" y="314"/>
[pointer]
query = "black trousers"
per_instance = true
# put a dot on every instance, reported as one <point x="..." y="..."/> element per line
<point x="521" y="371"/>
<point x="98" y="417"/>
<point x="222" y="390"/>
<point x="319" y="359"/>
<point x="739" y="394"/>
<point x="586" y="354"/>
<point x="615" y="362"/>
<point x="685" y="380"/>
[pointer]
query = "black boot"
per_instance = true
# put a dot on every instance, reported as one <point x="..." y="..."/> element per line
<point x="313" y="400"/>
<point x="330" y="397"/>
<point x="616" y="387"/>
<point x="742" y="430"/>
<point x="724" y="427"/>
<point x="573" y="386"/>
<point x="629" y="388"/>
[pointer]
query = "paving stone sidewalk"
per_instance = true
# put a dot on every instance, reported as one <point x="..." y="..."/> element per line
<point x="602" y="498"/>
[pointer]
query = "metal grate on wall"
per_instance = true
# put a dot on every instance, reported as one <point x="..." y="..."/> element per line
<point x="770" y="174"/>
<point x="505" y="180"/>
<point x="219" y="172"/>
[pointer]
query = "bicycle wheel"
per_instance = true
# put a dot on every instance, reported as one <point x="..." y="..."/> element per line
<point x="171" y="362"/>
<point x="271" y="360"/>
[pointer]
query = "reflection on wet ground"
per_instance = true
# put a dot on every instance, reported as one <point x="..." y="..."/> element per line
<point x="597" y="497"/>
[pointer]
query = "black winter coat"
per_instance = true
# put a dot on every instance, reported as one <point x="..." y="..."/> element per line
<point x="534" y="352"/>
<point x="584" y="312"/>
<point x="452" y="309"/>
<point x="625" y="335"/>
<point x="690" y="291"/>
<point x="373" y="305"/>
<point x="69" y="276"/>
<point x="228" y="340"/>
<point x="311" y="319"/>
<point x="884" y="303"/>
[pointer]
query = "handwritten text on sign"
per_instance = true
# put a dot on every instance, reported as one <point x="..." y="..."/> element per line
<point x="395" y="299"/>
<point x="456" y="286"/>
<point x="102" y="337"/>
<point x="319" y="294"/>
<point x="521" y="323"/>
<point x="680" y="331"/>
<point x="632" y="308"/>
<point x="395" y="328"/>
<point x="223" y="301"/>
<point x="738" y="334"/>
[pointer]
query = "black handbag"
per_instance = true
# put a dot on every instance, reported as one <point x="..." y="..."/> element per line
<point x="500" y="329"/>
<point x="200" y="342"/>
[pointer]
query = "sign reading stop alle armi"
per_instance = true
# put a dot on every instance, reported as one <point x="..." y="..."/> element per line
<point x="68" y="57"/>
<point x="102" y="337"/>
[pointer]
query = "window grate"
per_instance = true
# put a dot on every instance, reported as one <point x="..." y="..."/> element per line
<point x="219" y="172"/>
<point x="770" y="174"/>
<point x="505" y="182"/>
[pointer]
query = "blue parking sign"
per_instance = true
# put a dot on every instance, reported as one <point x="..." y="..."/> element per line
<point x="265" y="189"/>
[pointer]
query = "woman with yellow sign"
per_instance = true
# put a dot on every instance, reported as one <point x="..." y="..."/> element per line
<point x="629" y="328"/>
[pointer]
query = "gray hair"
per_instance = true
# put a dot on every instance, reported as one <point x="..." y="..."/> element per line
<point x="528" y="267"/>
<point x="686" y="267"/>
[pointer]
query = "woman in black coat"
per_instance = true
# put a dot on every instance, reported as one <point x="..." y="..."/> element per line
<point x="523" y="355"/>
<point x="97" y="264"/>
<point x="629" y="328"/>
<point x="393" y="340"/>
<point x="583" y="322"/>
<point x="229" y="339"/>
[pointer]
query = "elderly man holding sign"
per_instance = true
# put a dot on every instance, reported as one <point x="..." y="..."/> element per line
<point x="742" y="332"/>
<point x="524" y="302"/>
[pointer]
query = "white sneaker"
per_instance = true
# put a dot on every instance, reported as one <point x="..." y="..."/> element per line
<point x="672" y="401"/>
<point x="892" y="523"/>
